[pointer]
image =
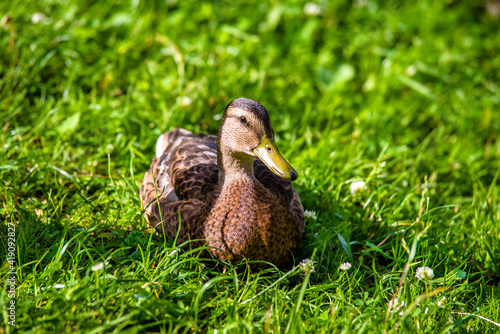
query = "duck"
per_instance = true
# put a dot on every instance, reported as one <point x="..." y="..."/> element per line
<point x="231" y="192"/>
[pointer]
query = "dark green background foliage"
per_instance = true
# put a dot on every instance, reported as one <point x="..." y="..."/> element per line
<point x="403" y="95"/>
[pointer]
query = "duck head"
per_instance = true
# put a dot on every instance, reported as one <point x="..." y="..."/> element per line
<point x="246" y="132"/>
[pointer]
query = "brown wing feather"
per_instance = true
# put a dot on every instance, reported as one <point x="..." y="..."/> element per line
<point x="183" y="175"/>
<point x="165" y="215"/>
<point x="193" y="168"/>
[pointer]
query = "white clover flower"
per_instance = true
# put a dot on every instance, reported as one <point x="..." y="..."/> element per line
<point x="109" y="148"/>
<point x="424" y="273"/>
<point x="356" y="187"/>
<point x="395" y="306"/>
<point x="37" y="18"/>
<point x="39" y="212"/>
<point x="307" y="265"/>
<point x="442" y="302"/>
<point x="98" y="266"/>
<point x="186" y="101"/>
<point x="393" y="303"/>
<point x="310" y="214"/>
<point x="345" y="266"/>
<point x="411" y="70"/>
<point x="312" y="9"/>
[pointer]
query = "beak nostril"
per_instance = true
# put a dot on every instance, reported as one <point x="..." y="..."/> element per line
<point x="269" y="154"/>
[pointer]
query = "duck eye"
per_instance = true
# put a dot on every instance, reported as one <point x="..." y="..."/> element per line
<point x="243" y="119"/>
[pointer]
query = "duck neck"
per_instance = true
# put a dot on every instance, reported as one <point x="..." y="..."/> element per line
<point x="234" y="166"/>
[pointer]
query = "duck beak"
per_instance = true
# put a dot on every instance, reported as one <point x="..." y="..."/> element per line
<point x="268" y="153"/>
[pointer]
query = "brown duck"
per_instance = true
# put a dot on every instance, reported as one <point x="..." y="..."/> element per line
<point x="232" y="193"/>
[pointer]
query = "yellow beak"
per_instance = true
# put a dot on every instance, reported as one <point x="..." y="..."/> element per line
<point x="268" y="153"/>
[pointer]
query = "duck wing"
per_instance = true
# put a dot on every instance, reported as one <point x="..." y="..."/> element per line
<point x="182" y="176"/>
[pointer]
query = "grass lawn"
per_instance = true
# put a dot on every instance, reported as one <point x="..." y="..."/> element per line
<point x="389" y="111"/>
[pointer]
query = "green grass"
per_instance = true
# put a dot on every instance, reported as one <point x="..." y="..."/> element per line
<point x="404" y="96"/>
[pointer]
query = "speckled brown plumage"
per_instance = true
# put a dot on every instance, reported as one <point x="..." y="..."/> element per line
<point x="234" y="204"/>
